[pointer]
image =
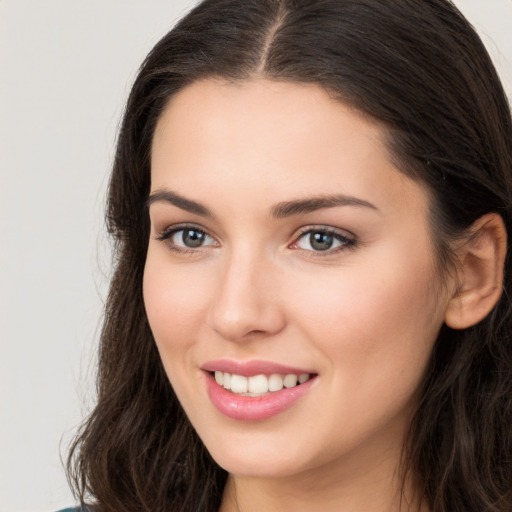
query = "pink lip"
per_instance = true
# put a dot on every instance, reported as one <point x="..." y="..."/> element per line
<point x="246" y="408"/>
<point x="250" y="368"/>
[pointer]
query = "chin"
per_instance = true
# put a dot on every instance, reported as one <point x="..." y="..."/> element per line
<point x="259" y="457"/>
<point x="246" y="466"/>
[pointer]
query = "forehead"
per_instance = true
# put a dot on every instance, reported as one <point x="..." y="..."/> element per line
<point x="274" y="138"/>
<point x="262" y="112"/>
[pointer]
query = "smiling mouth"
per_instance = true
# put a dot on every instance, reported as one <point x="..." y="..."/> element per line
<point x="259" y="385"/>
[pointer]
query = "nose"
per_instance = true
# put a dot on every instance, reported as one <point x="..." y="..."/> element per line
<point x="246" y="303"/>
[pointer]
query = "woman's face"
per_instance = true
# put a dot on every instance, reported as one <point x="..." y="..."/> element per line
<point x="284" y="242"/>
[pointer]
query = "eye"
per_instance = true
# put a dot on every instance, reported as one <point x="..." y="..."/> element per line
<point x="185" y="238"/>
<point x="190" y="237"/>
<point x="323" y="240"/>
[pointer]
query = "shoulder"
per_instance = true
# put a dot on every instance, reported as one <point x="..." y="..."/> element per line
<point x="76" y="509"/>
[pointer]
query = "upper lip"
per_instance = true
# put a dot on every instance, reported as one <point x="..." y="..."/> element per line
<point x="250" y="368"/>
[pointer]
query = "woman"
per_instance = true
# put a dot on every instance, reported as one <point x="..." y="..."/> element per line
<point x="310" y="202"/>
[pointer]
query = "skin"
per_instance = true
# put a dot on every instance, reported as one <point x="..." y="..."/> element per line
<point x="364" y="316"/>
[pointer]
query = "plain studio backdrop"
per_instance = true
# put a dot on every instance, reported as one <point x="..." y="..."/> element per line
<point x="66" y="67"/>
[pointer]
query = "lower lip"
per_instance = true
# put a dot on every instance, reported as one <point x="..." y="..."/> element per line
<point x="248" y="408"/>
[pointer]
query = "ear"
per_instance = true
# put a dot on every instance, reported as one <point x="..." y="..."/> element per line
<point x="480" y="275"/>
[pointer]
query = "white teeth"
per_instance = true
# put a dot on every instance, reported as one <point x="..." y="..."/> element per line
<point x="303" y="378"/>
<point x="275" y="382"/>
<point x="238" y="384"/>
<point x="226" y="380"/>
<point x="290" y="381"/>
<point x="258" y="385"/>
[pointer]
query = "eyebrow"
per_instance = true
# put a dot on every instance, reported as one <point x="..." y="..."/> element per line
<point x="278" y="211"/>
<point x="181" y="202"/>
<point x="311" y="204"/>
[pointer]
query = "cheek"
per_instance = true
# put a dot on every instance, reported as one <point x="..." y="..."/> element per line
<point x="376" y="321"/>
<point x="175" y="303"/>
<point x="375" y="331"/>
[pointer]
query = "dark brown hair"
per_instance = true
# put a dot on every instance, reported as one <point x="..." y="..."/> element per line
<point x="416" y="66"/>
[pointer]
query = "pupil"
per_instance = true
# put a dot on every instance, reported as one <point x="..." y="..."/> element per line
<point x="192" y="238"/>
<point x="320" y="241"/>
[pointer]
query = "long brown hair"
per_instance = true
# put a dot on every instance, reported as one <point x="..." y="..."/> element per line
<point x="416" y="66"/>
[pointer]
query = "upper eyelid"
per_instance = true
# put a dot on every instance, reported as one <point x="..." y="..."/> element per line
<point x="326" y="229"/>
<point x="173" y="228"/>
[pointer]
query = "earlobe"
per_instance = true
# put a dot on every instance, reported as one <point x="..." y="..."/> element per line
<point x="480" y="274"/>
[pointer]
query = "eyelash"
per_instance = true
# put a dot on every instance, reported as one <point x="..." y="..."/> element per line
<point x="346" y="242"/>
<point x="168" y="233"/>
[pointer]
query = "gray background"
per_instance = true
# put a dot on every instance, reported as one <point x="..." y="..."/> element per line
<point x="65" y="70"/>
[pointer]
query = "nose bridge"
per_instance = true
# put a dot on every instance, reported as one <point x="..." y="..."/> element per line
<point x="245" y="303"/>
